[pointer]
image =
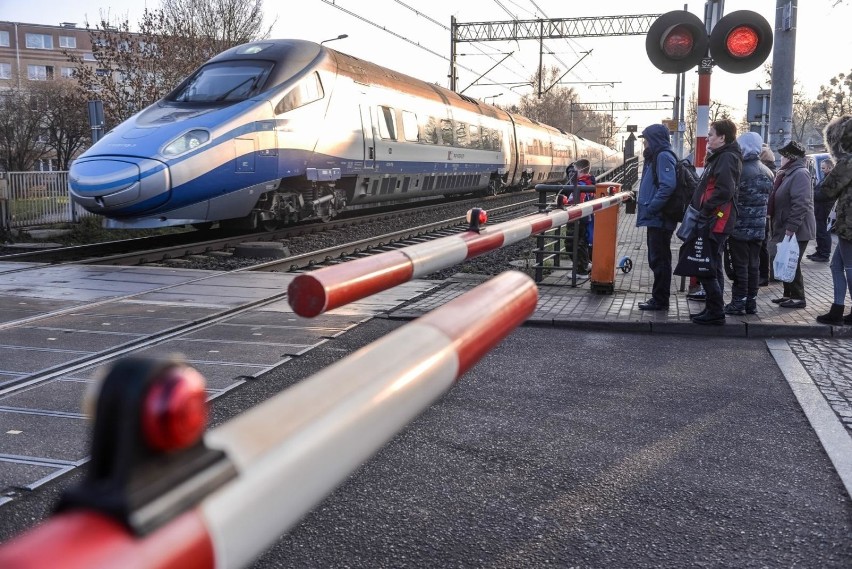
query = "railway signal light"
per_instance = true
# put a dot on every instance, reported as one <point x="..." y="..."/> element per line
<point x="678" y="41"/>
<point x="476" y="217"/>
<point x="741" y="41"/>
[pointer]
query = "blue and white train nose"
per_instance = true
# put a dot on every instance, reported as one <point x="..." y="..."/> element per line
<point x="115" y="184"/>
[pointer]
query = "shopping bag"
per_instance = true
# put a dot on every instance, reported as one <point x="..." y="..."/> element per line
<point x="786" y="259"/>
<point x="696" y="258"/>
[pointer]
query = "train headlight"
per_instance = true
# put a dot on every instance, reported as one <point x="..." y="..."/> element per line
<point x="186" y="142"/>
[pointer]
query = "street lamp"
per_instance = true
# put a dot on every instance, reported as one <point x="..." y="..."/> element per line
<point x="340" y="37"/>
<point x="492" y="97"/>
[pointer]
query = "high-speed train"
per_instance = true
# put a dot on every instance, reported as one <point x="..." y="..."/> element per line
<point x="279" y="131"/>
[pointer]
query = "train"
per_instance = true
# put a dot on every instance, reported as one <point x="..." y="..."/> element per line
<point x="274" y="132"/>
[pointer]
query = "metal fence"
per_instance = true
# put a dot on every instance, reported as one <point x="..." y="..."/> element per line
<point x="28" y="199"/>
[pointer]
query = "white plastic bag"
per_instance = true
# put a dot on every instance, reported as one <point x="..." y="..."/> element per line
<point x="786" y="259"/>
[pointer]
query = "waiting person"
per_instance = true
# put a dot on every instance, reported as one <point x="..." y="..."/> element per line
<point x="582" y="177"/>
<point x="791" y="207"/>
<point x="714" y="198"/>
<point x="656" y="186"/>
<point x="822" y="207"/>
<point x="767" y="157"/>
<point x="750" y="228"/>
<point x="838" y="185"/>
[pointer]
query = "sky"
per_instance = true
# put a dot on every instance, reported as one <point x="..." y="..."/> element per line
<point x="413" y="37"/>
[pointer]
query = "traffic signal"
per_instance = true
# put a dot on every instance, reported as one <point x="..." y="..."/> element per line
<point x="678" y="41"/>
<point x="741" y="41"/>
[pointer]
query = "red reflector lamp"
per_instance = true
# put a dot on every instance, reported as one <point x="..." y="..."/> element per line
<point x="476" y="217"/>
<point x="742" y="41"/>
<point x="174" y="412"/>
<point x="678" y="42"/>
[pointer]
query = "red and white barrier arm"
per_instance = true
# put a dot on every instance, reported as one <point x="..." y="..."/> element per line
<point x="311" y="294"/>
<point x="294" y="449"/>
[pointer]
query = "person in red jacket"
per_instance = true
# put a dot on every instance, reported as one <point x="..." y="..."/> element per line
<point x="714" y="198"/>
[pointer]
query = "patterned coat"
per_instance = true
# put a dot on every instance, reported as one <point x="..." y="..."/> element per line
<point x="752" y="191"/>
<point x="838" y="183"/>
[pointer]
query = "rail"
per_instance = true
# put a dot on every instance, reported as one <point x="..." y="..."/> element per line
<point x="157" y="497"/>
<point x="29" y="199"/>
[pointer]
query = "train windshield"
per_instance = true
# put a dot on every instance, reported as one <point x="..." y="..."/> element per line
<point x="224" y="82"/>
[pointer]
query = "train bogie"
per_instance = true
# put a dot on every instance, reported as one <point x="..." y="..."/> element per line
<point x="279" y="131"/>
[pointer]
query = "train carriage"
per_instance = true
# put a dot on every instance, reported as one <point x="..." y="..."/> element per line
<point x="283" y="130"/>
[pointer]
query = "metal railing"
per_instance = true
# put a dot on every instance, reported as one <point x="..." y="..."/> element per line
<point x="28" y="199"/>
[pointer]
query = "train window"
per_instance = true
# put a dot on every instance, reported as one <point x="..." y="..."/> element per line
<point x="485" y="137"/>
<point x="461" y="134"/>
<point x="409" y="126"/>
<point x="429" y="131"/>
<point x="227" y="81"/>
<point x="387" y="123"/>
<point x="474" y="136"/>
<point x="497" y="139"/>
<point x="307" y="91"/>
<point x="447" y="131"/>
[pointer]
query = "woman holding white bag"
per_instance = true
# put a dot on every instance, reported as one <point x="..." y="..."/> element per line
<point x="791" y="207"/>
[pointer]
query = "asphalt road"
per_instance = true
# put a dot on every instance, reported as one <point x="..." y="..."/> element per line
<point x="573" y="449"/>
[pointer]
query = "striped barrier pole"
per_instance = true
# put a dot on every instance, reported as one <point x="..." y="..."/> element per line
<point x="294" y="449"/>
<point x="311" y="294"/>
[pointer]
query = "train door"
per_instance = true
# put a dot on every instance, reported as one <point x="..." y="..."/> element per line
<point x="367" y="129"/>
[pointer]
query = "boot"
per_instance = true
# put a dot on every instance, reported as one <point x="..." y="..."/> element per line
<point x="848" y="318"/>
<point x="751" y="305"/>
<point x="834" y="316"/>
<point x="737" y="307"/>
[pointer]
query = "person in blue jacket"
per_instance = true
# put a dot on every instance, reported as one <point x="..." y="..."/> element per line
<point x="656" y="186"/>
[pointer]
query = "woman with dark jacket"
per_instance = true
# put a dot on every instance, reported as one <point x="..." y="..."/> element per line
<point x="750" y="228"/>
<point x="838" y="185"/>
<point x="714" y="198"/>
<point x="791" y="207"/>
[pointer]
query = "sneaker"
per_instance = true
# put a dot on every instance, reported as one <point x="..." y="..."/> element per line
<point x="793" y="303"/>
<point x="819" y="258"/>
<point x="698" y="295"/>
<point x="736" y="307"/>
<point x="710" y="319"/>
<point x="780" y="299"/>
<point x="751" y="305"/>
<point x="652" y="305"/>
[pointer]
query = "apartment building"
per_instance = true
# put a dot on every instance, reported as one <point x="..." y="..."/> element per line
<point x="34" y="51"/>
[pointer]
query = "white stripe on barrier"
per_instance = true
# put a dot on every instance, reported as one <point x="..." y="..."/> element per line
<point x="435" y="255"/>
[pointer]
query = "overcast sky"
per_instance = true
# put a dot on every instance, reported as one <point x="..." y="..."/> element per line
<point x="618" y="65"/>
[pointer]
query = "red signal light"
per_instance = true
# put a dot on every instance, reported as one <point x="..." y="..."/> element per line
<point x="678" y="42"/>
<point x="174" y="412"/>
<point x="742" y="41"/>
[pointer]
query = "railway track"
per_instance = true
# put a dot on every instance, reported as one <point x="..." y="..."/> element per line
<point x="157" y="249"/>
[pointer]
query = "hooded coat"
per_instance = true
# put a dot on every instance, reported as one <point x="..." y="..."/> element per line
<point x="752" y="191"/>
<point x="717" y="190"/>
<point x="838" y="183"/>
<point x="653" y="194"/>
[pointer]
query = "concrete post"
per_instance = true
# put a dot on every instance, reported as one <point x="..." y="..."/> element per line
<point x="783" y="61"/>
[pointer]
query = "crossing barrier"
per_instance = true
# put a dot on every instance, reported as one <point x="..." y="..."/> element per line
<point x="311" y="294"/>
<point x="269" y="466"/>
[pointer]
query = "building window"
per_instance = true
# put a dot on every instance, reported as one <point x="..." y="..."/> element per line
<point x="66" y="72"/>
<point x="100" y="72"/>
<point x="88" y="57"/>
<point x="68" y="41"/>
<point x="39" y="72"/>
<point x="39" y="41"/>
<point x="5" y="70"/>
<point x="4" y="39"/>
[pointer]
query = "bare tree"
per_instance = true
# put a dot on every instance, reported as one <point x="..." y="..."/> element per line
<point x="21" y="120"/>
<point x="835" y="99"/>
<point x="65" y="125"/>
<point x="133" y="70"/>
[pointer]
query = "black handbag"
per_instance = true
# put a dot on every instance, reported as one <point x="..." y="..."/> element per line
<point x="696" y="258"/>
